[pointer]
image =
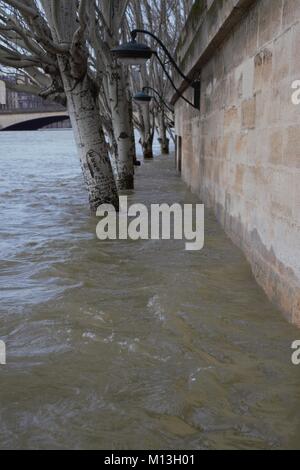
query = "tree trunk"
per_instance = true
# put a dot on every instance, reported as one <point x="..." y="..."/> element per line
<point x="112" y="149"/>
<point x="89" y="136"/>
<point x="82" y="101"/>
<point x="136" y="162"/>
<point x="147" y="134"/>
<point x="147" y="148"/>
<point x="163" y="139"/>
<point x="122" y="128"/>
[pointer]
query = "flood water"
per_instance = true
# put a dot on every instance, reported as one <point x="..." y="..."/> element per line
<point x="129" y="345"/>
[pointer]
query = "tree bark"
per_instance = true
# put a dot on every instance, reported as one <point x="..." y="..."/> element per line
<point x="163" y="139"/>
<point x="147" y="134"/>
<point x="89" y="136"/>
<point x="122" y="126"/>
<point x="147" y="148"/>
<point x="82" y="100"/>
<point x="136" y="162"/>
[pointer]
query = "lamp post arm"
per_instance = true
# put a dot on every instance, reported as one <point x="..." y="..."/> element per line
<point x="172" y="83"/>
<point x="160" y="97"/>
<point x="144" y="31"/>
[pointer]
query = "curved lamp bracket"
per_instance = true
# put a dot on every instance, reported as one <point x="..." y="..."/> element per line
<point x="159" y="96"/>
<point x="134" y="53"/>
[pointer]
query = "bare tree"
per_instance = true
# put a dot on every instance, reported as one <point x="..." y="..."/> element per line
<point x="64" y="47"/>
<point x="48" y="40"/>
<point x="164" y="18"/>
<point x="115" y="88"/>
<point x="144" y="120"/>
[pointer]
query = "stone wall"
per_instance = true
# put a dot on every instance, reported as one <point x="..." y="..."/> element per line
<point x="241" y="152"/>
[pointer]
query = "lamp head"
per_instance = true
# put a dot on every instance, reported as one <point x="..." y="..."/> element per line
<point x="132" y="53"/>
<point x="142" y="98"/>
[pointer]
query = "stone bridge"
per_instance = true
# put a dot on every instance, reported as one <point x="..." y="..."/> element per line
<point x="31" y="119"/>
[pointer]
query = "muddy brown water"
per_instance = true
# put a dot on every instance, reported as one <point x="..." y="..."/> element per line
<point x="130" y="345"/>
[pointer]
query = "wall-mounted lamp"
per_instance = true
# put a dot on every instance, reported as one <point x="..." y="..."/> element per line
<point x="142" y="98"/>
<point x="135" y="53"/>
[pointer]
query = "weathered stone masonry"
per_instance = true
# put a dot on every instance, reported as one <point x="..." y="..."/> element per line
<point x="241" y="152"/>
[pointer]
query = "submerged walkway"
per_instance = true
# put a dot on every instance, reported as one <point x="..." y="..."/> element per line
<point x="141" y="344"/>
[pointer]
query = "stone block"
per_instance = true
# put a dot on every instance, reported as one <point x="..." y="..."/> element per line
<point x="291" y="150"/>
<point x="291" y="12"/>
<point x="270" y="14"/>
<point x="276" y="147"/>
<point x="249" y="113"/>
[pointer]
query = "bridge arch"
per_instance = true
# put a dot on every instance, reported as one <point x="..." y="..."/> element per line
<point x="35" y="124"/>
<point x="30" y="120"/>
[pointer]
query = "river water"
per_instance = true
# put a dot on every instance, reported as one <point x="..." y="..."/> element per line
<point x="129" y="345"/>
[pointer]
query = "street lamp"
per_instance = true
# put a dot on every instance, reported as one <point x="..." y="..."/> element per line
<point x="135" y="53"/>
<point x="142" y="98"/>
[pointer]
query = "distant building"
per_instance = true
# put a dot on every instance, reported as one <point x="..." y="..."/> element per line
<point x="17" y="100"/>
<point x="11" y="100"/>
<point x="2" y="93"/>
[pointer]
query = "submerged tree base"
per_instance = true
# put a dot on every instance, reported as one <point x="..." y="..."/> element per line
<point x="148" y="154"/>
<point x="126" y="182"/>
